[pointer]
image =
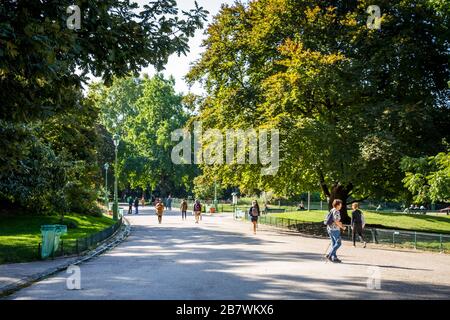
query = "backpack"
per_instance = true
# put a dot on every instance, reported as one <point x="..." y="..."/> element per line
<point x="197" y="207"/>
<point x="329" y="219"/>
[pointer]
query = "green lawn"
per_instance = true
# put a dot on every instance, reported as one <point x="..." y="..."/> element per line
<point x="20" y="235"/>
<point x="424" y="223"/>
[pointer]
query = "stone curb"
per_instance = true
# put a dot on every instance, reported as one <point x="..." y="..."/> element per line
<point x="104" y="246"/>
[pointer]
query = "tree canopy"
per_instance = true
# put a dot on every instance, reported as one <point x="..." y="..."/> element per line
<point x="144" y="112"/>
<point x="42" y="60"/>
<point x="52" y="143"/>
<point x="350" y="101"/>
<point x="428" y="178"/>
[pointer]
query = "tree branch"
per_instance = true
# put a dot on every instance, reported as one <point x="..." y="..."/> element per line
<point x="323" y="185"/>
<point x="349" y="188"/>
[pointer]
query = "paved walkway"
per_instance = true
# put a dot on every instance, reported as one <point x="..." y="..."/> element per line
<point x="16" y="272"/>
<point x="221" y="259"/>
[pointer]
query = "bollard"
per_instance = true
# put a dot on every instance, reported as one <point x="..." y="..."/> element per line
<point x="393" y="237"/>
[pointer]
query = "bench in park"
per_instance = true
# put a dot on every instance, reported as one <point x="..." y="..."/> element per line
<point x="421" y="211"/>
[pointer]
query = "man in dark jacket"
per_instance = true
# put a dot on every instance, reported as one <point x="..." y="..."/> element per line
<point x="136" y="204"/>
<point x="130" y="205"/>
<point x="358" y="223"/>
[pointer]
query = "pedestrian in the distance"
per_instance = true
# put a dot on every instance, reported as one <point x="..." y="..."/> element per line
<point x="334" y="226"/>
<point x="183" y="209"/>
<point x="130" y="205"/>
<point x="197" y="210"/>
<point x="136" y="205"/>
<point x="254" y="213"/>
<point x="143" y="201"/>
<point x="169" y="202"/>
<point x="266" y="208"/>
<point x="159" y="210"/>
<point x="358" y="224"/>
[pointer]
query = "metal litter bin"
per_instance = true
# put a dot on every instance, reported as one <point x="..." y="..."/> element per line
<point x="51" y="234"/>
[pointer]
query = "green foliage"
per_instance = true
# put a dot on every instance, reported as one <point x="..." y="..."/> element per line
<point x="144" y="112"/>
<point x="428" y="178"/>
<point x="40" y="55"/>
<point x="350" y="102"/>
<point x="32" y="181"/>
<point x="47" y="181"/>
<point x="204" y="188"/>
<point x="53" y="146"/>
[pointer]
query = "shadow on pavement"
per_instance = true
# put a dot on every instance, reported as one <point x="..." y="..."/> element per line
<point x="188" y="262"/>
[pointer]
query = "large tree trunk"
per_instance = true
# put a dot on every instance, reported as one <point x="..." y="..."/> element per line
<point x="340" y="192"/>
<point x="337" y="191"/>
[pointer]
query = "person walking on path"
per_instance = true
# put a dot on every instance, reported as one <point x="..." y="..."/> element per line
<point x="334" y="226"/>
<point x="143" y="201"/>
<point x="169" y="202"/>
<point x="254" y="213"/>
<point x="130" y="205"/>
<point x="197" y="210"/>
<point x="183" y="209"/>
<point x="136" y="205"/>
<point x="357" y="223"/>
<point x="159" y="210"/>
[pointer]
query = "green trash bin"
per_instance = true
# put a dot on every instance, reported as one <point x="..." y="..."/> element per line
<point x="51" y="234"/>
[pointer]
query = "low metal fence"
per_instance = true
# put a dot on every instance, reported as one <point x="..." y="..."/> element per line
<point x="394" y="238"/>
<point x="18" y="253"/>
<point x="78" y="246"/>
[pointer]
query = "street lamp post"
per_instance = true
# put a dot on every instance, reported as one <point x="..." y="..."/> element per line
<point x="309" y="200"/>
<point x="106" y="187"/>
<point x="116" y="140"/>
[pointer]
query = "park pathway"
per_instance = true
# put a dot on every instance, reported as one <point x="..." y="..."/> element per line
<point x="221" y="259"/>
